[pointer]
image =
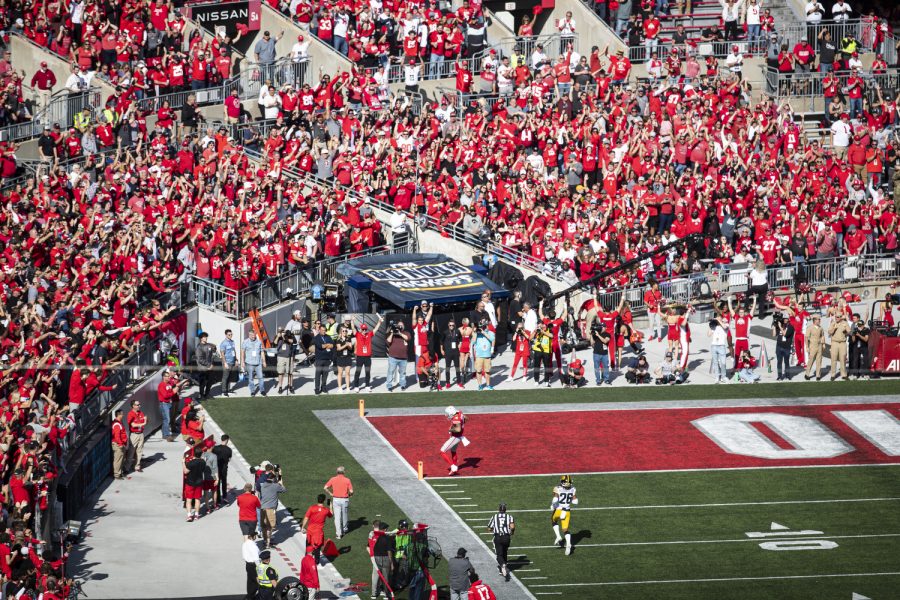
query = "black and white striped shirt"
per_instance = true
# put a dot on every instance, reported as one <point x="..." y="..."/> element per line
<point x="501" y="524"/>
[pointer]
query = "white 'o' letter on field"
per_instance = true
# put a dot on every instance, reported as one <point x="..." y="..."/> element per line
<point x="735" y="434"/>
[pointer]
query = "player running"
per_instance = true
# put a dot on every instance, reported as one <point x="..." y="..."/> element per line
<point x="448" y="450"/>
<point x="563" y="500"/>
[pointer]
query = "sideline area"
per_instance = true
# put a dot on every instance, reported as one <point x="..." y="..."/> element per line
<point x="138" y="545"/>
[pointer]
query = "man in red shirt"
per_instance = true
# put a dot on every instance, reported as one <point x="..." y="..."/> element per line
<point x="43" y="81"/>
<point x="653" y="300"/>
<point x="364" y="353"/>
<point x="480" y="590"/>
<point x="248" y="505"/>
<point x="119" y="444"/>
<point x="137" y="420"/>
<point x="232" y="108"/>
<point x="167" y="394"/>
<point x="313" y="525"/>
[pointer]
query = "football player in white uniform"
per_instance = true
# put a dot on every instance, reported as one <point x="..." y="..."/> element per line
<point x="564" y="499"/>
<point x="448" y="450"/>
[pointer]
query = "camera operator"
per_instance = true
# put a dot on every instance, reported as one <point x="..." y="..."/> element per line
<point x="859" y="347"/>
<point x="574" y="375"/>
<point x="522" y="345"/>
<point x="324" y="345"/>
<point x="541" y="349"/>
<point x="784" y="341"/>
<point x="398" y="353"/>
<point x="483" y="348"/>
<point x="639" y="371"/>
<point x="668" y="372"/>
<point x="428" y="371"/>
<point x="269" y="489"/>
<point x="600" y="339"/>
<point x="284" y="360"/>
<point x="364" y="352"/>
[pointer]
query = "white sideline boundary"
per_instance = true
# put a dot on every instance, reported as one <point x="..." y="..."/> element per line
<point x="713" y="505"/>
<point x="688" y="542"/>
<point x="717" y="579"/>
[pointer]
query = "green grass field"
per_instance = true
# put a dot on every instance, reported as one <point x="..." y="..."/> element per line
<point x="692" y="527"/>
<point x="284" y="430"/>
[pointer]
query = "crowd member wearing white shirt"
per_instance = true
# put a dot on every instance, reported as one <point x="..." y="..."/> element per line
<point x="718" y="347"/>
<point x="814" y="13"/>
<point x="538" y="58"/>
<point x="529" y="319"/>
<point x="840" y="12"/>
<point x="341" y="25"/>
<point x="751" y="17"/>
<point x="412" y="71"/>
<point x="735" y="61"/>
<point x="300" y="50"/>
<point x="840" y="135"/>
<point x="566" y="27"/>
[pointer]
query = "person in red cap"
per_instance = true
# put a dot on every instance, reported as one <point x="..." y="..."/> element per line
<point x="43" y="81"/>
<point x="574" y="376"/>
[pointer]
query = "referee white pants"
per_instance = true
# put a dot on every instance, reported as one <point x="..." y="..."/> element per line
<point x="341" y="515"/>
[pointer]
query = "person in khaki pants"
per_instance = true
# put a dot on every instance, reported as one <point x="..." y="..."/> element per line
<point x="119" y="444"/>
<point x="839" y="333"/>
<point x="815" y="347"/>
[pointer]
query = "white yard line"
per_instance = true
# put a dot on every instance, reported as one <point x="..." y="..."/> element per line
<point x="679" y="542"/>
<point x="638" y="405"/>
<point x="655" y="506"/>
<point x="718" y="579"/>
<point x="556" y="473"/>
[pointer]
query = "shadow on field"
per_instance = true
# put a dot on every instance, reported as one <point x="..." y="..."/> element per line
<point x="584" y="534"/>
<point x="517" y="562"/>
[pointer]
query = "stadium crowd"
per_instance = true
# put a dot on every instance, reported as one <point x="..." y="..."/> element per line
<point x="570" y="160"/>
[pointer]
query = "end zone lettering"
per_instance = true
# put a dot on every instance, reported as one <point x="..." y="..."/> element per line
<point x="675" y="439"/>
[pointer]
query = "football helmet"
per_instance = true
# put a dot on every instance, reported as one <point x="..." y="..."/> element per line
<point x="450" y="411"/>
<point x="565" y="481"/>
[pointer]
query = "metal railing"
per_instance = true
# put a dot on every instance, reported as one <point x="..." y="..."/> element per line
<point x="862" y="30"/>
<point x="274" y="290"/>
<point x="554" y="45"/>
<point x="63" y="107"/>
<point x="443" y="69"/>
<point x="248" y="82"/>
<point x="809" y="85"/>
<point x="734" y="278"/>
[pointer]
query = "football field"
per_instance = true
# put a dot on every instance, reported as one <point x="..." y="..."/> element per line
<point x="744" y="492"/>
<point x="775" y="533"/>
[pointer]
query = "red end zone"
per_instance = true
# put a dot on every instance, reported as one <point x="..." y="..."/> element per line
<point x="654" y="439"/>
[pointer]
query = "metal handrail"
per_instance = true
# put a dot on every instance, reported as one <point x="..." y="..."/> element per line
<point x="62" y="109"/>
<point x="809" y="85"/>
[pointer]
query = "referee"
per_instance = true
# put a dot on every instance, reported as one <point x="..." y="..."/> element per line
<point x="502" y="525"/>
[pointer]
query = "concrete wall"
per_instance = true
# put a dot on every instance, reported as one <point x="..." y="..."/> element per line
<point x="27" y="56"/>
<point x="322" y="56"/>
<point x="591" y="29"/>
<point x="501" y="26"/>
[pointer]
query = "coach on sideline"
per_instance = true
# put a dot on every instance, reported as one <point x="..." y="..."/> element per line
<point x="502" y="525"/>
<point x="340" y="488"/>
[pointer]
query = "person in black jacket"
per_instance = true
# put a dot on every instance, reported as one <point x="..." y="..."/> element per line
<point x="450" y="342"/>
<point x="190" y="116"/>
<point x="324" y="346"/>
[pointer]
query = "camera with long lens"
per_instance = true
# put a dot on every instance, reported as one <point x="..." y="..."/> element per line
<point x="393" y="327"/>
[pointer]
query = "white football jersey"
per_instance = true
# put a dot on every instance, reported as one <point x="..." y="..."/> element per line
<point x="564" y="497"/>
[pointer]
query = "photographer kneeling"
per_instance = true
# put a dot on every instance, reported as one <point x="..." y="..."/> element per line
<point x="639" y="371"/>
<point x="428" y="371"/>
<point x="668" y="372"/>
<point x="574" y="375"/>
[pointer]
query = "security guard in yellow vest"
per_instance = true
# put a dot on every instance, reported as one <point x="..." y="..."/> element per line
<point x="331" y="327"/>
<point x="266" y="577"/>
<point x="82" y="119"/>
<point x="542" y="353"/>
<point x="109" y="116"/>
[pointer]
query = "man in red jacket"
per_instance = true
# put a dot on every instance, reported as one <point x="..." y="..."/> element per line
<point x="248" y="504"/>
<point x="119" y="444"/>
